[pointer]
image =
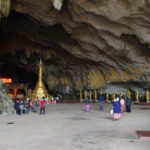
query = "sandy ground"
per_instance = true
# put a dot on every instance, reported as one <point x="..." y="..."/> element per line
<point x="69" y="127"/>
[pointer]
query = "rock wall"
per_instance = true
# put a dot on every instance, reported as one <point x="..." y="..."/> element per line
<point x="87" y="44"/>
<point x="6" y="103"/>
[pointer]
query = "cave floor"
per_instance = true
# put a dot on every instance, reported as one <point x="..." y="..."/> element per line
<point x="69" y="127"/>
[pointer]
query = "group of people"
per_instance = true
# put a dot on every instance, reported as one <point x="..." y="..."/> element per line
<point x="119" y="105"/>
<point x="27" y="105"/>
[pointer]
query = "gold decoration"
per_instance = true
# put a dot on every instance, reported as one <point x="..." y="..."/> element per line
<point x="40" y="89"/>
<point x="80" y="95"/>
<point x="137" y="96"/>
<point x="121" y="94"/>
<point x="107" y="96"/>
<point x="113" y="95"/>
<point x="147" y="96"/>
<point x="128" y="94"/>
<point x="101" y="92"/>
<point x="5" y="8"/>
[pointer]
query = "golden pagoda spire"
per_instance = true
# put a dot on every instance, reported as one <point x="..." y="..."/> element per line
<point x="40" y="89"/>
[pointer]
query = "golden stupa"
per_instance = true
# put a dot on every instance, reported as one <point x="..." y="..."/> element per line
<point x="40" y="90"/>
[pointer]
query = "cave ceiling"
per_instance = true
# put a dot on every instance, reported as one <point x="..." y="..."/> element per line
<point x="84" y="37"/>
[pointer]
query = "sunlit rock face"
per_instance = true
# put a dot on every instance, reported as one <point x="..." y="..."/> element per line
<point x="87" y="44"/>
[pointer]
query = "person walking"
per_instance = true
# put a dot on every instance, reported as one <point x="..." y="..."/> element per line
<point x="29" y="104"/>
<point x="42" y="105"/>
<point x="36" y="101"/>
<point x="25" y="106"/>
<point x="122" y="102"/>
<point x="21" y="105"/>
<point x="101" y="103"/>
<point x="87" y="106"/>
<point x="17" y="107"/>
<point x="116" y="109"/>
<point x="128" y="104"/>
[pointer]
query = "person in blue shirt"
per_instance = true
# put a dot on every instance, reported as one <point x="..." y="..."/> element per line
<point x="101" y="103"/>
<point x="116" y="109"/>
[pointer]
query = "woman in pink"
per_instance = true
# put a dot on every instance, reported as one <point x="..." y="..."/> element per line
<point x="122" y="102"/>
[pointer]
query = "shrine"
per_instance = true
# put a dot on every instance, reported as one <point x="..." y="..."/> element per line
<point x="18" y="91"/>
<point x="40" y="90"/>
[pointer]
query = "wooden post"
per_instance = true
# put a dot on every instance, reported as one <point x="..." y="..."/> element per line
<point x="90" y="95"/>
<point x="81" y="96"/>
<point x="95" y="95"/>
<point x="15" y="92"/>
<point x="85" y="94"/>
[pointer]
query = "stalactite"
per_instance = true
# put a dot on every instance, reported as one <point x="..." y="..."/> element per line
<point x="57" y="4"/>
<point x="4" y="8"/>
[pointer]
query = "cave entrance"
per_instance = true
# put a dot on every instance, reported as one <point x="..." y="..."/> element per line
<point x="21" y="76"/>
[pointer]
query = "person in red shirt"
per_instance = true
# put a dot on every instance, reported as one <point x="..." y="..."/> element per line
<point x="42" y="105"/>
<point x="58" y="100"/>
<point x="29" y="104"/>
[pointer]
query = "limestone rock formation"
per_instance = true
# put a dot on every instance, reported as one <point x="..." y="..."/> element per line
<point x="87" y="44"/>
<point x="6" y="103"/>
<point x="57" y="4"/>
